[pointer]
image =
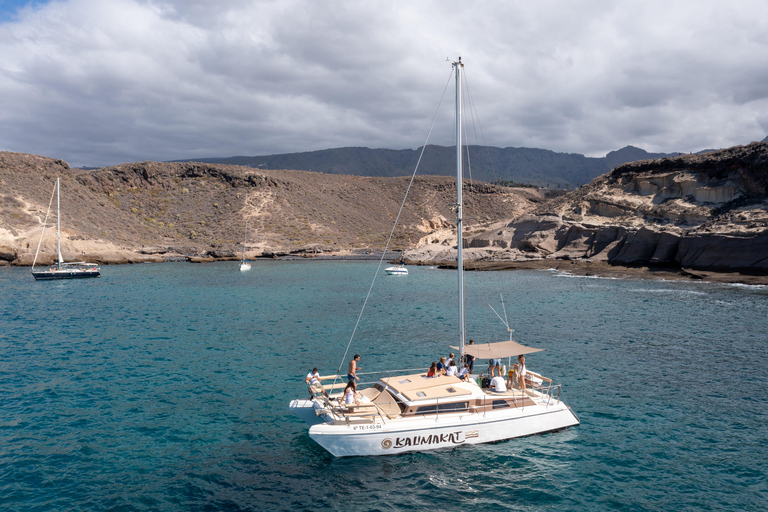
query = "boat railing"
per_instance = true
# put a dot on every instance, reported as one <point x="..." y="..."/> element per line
<point x="549" y="393"/>
<point x="385" y="374"/>
<point x="340" y="381"/>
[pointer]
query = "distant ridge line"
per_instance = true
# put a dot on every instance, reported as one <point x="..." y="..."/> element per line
<point x="493" y="164"/>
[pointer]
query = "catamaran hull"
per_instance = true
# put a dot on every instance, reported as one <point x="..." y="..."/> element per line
<point x="449" y="431"/>
<point x="43" y="276"/>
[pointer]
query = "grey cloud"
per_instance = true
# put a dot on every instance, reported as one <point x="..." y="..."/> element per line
<point x="99" y="83"/>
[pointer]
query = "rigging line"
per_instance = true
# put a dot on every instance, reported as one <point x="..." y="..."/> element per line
<point x="472" y="209"/>
<point x="498" y="315"/>
<point x="44" y="223"/>
<point x="482" y="133"/>
<point x="391" y="233"/>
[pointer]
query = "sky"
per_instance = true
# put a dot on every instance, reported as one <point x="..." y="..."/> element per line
<point x="103" y="82"/>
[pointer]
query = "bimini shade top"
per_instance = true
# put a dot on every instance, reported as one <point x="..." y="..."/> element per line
<point x="497" y="350"/>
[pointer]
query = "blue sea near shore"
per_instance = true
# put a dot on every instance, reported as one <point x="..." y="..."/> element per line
<point x="166" y="387"/>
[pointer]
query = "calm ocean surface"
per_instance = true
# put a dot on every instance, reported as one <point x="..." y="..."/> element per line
<point x="166" y="387"/>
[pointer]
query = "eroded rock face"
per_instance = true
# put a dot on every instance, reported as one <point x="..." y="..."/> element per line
<point x="705" y="211"/>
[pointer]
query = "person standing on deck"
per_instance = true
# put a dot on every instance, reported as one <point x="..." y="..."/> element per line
<point x="470" y="359"/>
<point x="494" y="366"/>
<point x="521" y="371"/>
<point x="352" y="370"/>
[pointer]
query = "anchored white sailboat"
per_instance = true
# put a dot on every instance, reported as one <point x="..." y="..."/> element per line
<point x="244" y="263"/>
<point x="61" y="269"/>
<point x="415" y="412"/>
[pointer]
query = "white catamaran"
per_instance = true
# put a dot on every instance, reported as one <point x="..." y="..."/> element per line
<point x="61" y="269"/>
<point x="413" y="412"/>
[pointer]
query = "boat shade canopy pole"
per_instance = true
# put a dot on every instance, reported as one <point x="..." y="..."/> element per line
<point x="498" y="350"/>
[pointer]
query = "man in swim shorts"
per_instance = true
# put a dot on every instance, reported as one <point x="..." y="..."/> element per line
<point x="352" y="370"/>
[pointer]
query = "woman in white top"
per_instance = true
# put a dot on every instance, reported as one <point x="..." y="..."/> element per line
<point x="521" y="371"/>
<point x="451" y="371"/>
<point x="350" y="394"/>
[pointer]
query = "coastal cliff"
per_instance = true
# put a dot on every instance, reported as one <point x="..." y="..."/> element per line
<point x="703" y="212"/>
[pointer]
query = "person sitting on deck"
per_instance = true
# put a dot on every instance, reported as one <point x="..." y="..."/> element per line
<point x="441" y="366"/>
<point x="432" y="372"/>
<point x="451" y="371"/>
<point x="313" y="378"/>
<point x="464" y="373"/>
<point x="497" y="384"/>
<point x="350" y="394"/>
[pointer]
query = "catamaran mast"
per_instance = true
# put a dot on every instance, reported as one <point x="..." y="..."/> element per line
<point x="58" y="221"/>
<point x="459" y="214"/>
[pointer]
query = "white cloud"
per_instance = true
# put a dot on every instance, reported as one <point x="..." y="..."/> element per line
<point x="99" y="83"/>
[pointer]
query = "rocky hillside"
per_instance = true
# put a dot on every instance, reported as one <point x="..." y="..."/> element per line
<point x="155" y="211"/>
<point x="706" y="211"/>
<point x="703" y="212"/>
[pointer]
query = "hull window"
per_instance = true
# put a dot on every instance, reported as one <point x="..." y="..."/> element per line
<point x="449" y="407"/>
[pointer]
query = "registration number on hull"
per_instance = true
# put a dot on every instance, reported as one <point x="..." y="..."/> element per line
<point x="367" y="427"/>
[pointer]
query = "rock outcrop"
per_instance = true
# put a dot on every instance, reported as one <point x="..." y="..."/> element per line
<point x="706" y="211"/>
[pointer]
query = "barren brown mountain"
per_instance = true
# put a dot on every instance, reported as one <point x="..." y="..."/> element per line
<point x="706" y="213"/>
<point x="155" y="211"/>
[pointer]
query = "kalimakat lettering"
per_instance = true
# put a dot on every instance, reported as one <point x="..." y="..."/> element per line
<point x="404" y="442"/>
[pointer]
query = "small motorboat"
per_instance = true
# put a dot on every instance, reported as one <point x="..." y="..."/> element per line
<point x="397" y="270"/>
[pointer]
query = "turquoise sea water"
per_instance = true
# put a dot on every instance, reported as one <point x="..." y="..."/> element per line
<point x="166" y="387"/>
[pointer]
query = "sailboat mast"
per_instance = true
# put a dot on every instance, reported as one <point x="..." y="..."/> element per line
<point x="58" y="221"/>
<point x="459" y="213"/>
<point x="245" y="237"/>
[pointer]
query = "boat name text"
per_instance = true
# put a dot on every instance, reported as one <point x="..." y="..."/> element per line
<point x="404" y="442"/>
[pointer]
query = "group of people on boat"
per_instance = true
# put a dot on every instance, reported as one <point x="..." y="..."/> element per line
<point x="350" y="395"/>
<point x="516" y="374"/>
<point x="447" y="366"/>
<point x="496" y="381"/>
